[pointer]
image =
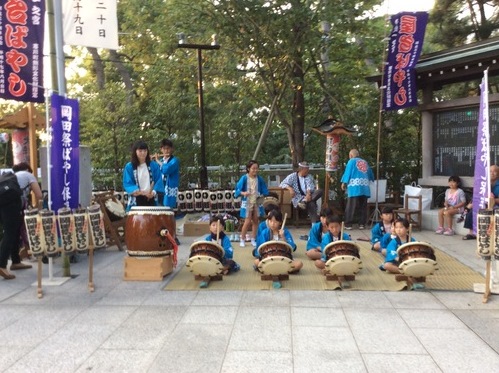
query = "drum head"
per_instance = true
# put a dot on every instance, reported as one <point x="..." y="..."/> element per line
<point x="275" y="265"/>
<point x="418" y="267"/>
<point x="203" y="265"/>
<point x="214" y="246"/>
<point x="343" y="243"/>
<point x="265" y="246"/>
<point x="414" y="244"/>
<point x="115" y="208"/>
<point x="344" y="265"/>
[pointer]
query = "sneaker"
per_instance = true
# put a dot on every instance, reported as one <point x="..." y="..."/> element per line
<point x="382" y="267"/>
<point x="348" y="228"/>
<point x="242" y="243"/>
<point x="15" y="266"/>
<point x="361" y="227"/>
<point x="253" y="242"/>
<point x="440" y="230"/>
<point x="304" y="237"/>
<point x="449" y="232"/>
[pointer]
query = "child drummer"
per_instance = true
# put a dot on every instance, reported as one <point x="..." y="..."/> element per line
<point x="382" y="230"/>
<point x="333" y="223"/>
<point x="318" y="230"/>
<point x="217" y="231"/>
<point x="391" y="264"/>
<point x="274" y="232"/>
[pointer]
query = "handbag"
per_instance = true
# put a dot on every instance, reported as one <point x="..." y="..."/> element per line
<point x="417" y="190"/>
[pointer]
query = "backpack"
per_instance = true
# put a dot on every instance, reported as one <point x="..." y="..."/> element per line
<point x="9" y="188"/>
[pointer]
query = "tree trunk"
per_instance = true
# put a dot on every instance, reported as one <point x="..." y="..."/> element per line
<point x="124" y="73"/>
<point x="298" y="110"/>
<point x="98" y="67"/>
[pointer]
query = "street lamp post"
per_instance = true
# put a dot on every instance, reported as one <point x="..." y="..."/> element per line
<point x="203" y="170"/>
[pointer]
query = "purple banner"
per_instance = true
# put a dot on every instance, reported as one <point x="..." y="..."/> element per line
<point x="481" y="185"/>
<point x="64" y="153"/>
<point x="406" y="42"/>
<point x="21" y="50"/>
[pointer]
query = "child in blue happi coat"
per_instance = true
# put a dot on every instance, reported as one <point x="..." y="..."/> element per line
<point x="265" y="224"/>
<point x="316" y="233"/>
<point x="217" y="223"/>
<point x="275" y="233"/>
<point x="334" y="234"/>
<point x="391" y="264"/>
<point x="381" y="233"/>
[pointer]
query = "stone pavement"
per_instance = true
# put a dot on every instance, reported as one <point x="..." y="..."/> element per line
<point x="137" y="327"/>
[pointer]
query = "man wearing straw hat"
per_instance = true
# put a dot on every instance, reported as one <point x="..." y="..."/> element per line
<point x="302" y="189"/>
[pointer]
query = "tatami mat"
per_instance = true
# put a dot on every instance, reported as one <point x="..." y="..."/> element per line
<point x="452" y="275"/>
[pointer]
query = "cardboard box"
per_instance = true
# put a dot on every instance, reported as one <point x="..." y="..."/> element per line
<point x="147" y="268"/>
<point x="196" y="228"/>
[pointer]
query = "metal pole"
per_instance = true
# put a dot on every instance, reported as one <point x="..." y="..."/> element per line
<point x="203" y="170"/>
<point x="59" y="48"/>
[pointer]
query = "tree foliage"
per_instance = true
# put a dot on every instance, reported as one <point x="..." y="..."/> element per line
<point x="269" y="49"/>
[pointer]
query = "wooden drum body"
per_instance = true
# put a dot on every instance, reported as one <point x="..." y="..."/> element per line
<point x="206" y="258"/>
<point x="276" y="258"/>
<point x="417" y="259"/>
<point x="342" y="258"/>
<point x="147" y="229"/>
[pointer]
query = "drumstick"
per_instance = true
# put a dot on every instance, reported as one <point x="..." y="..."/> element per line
<point x="284" y="220"/>
<point x="410" y="232"/>
<point x="342" y="229"/>
<point x="218" y="230"/>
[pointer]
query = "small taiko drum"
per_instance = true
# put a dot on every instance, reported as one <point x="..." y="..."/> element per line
<point x="115" y="210"/>
<point x="206" y="258"/>
<point x="342" y="258"/>
<point x="149" y="231"/>
<point x="276" y="258"/>
<point x="270" y="200"/>
<point x="417" y="259"/>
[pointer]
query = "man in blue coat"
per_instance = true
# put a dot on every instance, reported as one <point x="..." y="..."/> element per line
<point x="355" y="181"/>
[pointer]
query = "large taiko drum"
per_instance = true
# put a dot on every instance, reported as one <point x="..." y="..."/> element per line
<point x="342" y="258"/>
<point x="417" y="259"/>
<point x="115" y="210"/>
<point x="149" y="231"/>
<point x="276" y="258"/>
<point x="206" y="258"/>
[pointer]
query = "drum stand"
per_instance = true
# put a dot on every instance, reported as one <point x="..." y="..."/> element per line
<point x="344" y="280"/>
<point x="413" y="283"/>
<point x="276" y="279"/>
<point x="205" y="280"/>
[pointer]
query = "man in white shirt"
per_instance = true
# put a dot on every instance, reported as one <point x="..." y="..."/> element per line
<point x="301" y="186"/>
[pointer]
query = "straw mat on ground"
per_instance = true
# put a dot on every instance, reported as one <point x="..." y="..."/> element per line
<point x="452" y="275"/>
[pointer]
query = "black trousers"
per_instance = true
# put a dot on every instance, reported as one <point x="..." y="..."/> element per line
<point x="11" y="219"/>
<point x="356" y="204"/>
<point x="312" y="205"/>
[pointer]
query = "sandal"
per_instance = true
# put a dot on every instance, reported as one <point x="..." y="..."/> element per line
<point x="469" y="237"/>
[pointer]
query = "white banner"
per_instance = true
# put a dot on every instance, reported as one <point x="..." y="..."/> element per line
<point x="90" y="23"/>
